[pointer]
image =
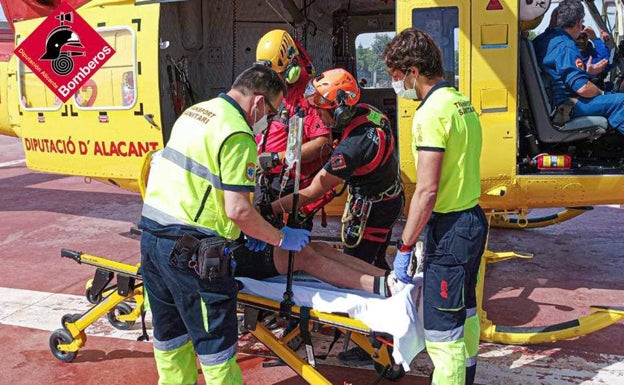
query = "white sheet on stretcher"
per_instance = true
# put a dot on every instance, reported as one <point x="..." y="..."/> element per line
<point x="397" y="315"/>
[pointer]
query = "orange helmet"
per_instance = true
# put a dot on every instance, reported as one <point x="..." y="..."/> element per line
<point x="333" y="88"/>
<point x="278" y="48"/>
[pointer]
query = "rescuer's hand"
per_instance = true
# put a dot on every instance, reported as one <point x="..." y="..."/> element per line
<point x="294" y="239"/>
<point x="268" y="160"/>
<point x="590" y="32"/>
<point x="254" y="244"/>
<point x="401" y="265"/>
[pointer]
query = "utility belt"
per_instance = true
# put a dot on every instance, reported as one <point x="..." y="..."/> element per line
<point x="357" y="210"/>
<point x="391" y="192"/>
<point x="209" y="257"/>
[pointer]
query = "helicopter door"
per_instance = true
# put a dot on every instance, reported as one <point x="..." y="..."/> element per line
<point x="103" y="130"/>
<point x="494" y="77"/>
<point x="448" y="23"/>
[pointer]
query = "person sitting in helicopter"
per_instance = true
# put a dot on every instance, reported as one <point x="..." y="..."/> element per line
<point x="594" y="53"/>
<point x="570" y="77"/>
<point x="286" y="56"/>
<point x="594" y="50"/>
<point x="542" y="39"/>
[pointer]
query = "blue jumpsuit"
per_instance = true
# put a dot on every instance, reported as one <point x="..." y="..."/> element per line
<point x="561" y="59"/>
<point x="598" y="52"/>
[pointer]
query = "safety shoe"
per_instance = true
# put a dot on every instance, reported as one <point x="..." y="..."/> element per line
<point x="393" y="284"/>
<point x="355" y="357"/>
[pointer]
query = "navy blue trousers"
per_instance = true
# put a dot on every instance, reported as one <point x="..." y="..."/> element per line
<point x="182" y="303"/>
<point x="454" y="243"/>
<point x="611" y="106"/>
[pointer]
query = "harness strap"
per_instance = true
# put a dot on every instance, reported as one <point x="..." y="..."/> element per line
<point x="375" y="234"/>
<point x="337" y="334"/>
<point x="385" y="147"/>
<point x="314" y="206"/>
<point x="304" y="327"/>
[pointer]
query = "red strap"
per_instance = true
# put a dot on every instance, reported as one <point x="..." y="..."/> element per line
<point x="367" y="168"/>
<point x="375" y="234"/>
<point x="310" y="207"/>
<point x="382" y="153"/>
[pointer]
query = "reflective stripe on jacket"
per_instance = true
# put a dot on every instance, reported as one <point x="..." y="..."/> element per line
<point x="211" y="149"/>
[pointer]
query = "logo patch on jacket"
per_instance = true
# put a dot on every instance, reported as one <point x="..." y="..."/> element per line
<point x="579" y="63"/>
<point x="250" y="172"/>
<point x="337" y="162"/>
<point x="419" y="137"/>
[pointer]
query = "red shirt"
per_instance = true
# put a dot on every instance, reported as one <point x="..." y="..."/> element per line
<point x="313" y="127"/>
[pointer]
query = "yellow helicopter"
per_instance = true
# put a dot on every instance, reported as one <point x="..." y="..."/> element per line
<point x="170" y="54"/>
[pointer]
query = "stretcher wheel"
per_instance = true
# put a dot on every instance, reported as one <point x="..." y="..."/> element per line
<point x="61" y="336"/>
<point x="393" y="373"/>
<point x="93" y="298"/>
<point x="121" y="309"/>
<point x="70" y="318"/>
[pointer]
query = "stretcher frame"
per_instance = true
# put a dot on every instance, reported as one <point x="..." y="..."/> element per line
<point x="378" y="347"/>
<point x="108" y="300"/>
<point x="599" y="318"/>
<point x="65" y="342"/>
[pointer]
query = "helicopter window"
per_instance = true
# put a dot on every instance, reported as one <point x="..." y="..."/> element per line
<point x="33" y="93"/>
<point x="113" y="86"/>
<point x="443" y="25"/>
<point x="371" y="70"/>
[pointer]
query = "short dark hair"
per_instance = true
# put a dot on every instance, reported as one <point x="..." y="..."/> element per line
<point x="414" y="48"/>
<point x="569" y="13"/>
<point x="259" y="79"/>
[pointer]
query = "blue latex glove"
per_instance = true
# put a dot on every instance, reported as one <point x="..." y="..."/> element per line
<point x="295" y="239"/>
<point x="254" y="244"/>
<point x="401" y="265"/>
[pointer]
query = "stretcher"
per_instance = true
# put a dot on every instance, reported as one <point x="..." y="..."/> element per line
<point x="384" y="328"/>
<point x="115" y="285"/>
<point x="377" y="345"/>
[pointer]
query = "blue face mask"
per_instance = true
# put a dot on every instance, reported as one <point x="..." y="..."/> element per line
<point x="399" y="88"/>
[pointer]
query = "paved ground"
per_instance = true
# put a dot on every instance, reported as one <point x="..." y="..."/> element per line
<point x="577" y="264"/>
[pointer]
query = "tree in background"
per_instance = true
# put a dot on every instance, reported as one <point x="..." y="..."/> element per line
<point x="370" y="65"/>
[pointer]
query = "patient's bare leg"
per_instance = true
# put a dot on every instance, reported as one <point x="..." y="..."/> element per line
<point x="355" y="263"/>
<point x="329" y="269"/>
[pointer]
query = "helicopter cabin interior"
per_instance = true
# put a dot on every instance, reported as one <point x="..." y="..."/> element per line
<point x="581" y="146"/>
<point x="207" y="39"/>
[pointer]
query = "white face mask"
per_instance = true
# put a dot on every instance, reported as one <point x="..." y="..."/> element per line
<point x="261" y="124"/>
<point x="399" y="88"/>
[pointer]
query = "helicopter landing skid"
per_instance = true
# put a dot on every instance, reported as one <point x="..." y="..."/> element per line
<point x="522" y="222"/>
<point x="600" y="318"/>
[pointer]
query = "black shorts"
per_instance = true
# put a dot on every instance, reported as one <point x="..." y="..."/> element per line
<point x="252" y="264"/>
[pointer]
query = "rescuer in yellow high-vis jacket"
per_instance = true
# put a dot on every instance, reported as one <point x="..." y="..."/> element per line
<point x="446" y="143"/>
<point x="198" y="194"/>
